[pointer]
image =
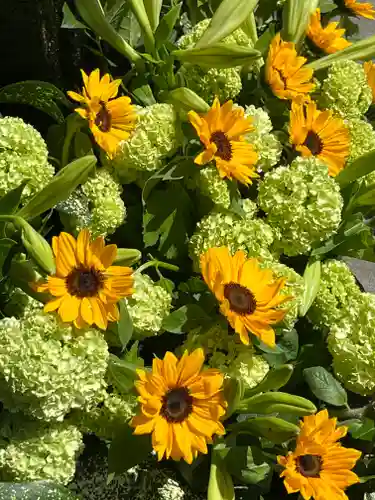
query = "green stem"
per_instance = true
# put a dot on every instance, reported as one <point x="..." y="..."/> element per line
<point x="157" y="263"/>
<point x="349" y="413"/>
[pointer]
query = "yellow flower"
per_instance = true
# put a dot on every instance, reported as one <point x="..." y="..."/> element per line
<point x="86" y="287"/>
<point x="285" y="73"/>
<point x="361" y="9"/>
<point x="110" y="120"/>
<point x="369" y="68"/>
<point x="320" y="467"/>
<point x="181" y="405"/>
<point x="221" y="131"/>
<point x="329" y="38"/>
<point x="319" y="133"/>
<point x="248" y="295"/>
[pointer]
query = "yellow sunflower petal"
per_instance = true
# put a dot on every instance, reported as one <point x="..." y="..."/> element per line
<point x="69" y="308"/>
<point x="189" y="366"/>
<point x="108" y="255"/>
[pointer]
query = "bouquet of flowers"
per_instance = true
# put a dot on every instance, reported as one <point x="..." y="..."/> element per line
<point x="180" y="318"/>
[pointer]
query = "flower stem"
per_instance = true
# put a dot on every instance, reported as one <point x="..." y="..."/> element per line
<point x="157" y="263"/>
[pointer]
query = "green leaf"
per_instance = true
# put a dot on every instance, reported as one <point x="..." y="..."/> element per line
<point x="265" y="39"/>
<point x="276" y="402"/>
<point x="166" y="25"/>
<point x="248" y="464"/>
<point x="364" y="430"/>
<point x="122" y="374"/>
<point x="327" y="6"/>
<point x="233" y="393"/>
<point x="185" y="318"/>
<point x="60" y="187"/>
<point x="145" y="95"/>
<point x="153" y="8"/>
<point x="41" y="95"/>
<point x="6" y="245"/>
<point x="365" y="197"/>
<point x="69" y="21"/>
<point x="167" y="284"/>
<point x="128" y="28"/>
<point x="324" y="386"/>
<point x="311" y="279"/>
<point x="127" y="450"/>
<point x="275" y="429"/>
<point x="10" y="201"/>
<point x="220" y="485"/>
<point x="37" y="490"/>
<point x="124" y="325"/>
<point x="219" y="55"/>
<point x="187" y="100"/>
<point x="286" y="349"/>
<point x="363" y="165"/>
<point x="275" y="378"/>
<point x="228" y="17"/>
<point x="82" y="145"/>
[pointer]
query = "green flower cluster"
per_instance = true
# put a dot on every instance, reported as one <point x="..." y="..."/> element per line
<point x="149" y="305"/>
<point x="362" y="138"/>
<point x="157" y="135"/>
<point x="265" y="143"/>
<point x="225" y="83"/>
<point x="39" y="451"/>
<point x="23" y="156"/>
<point x="345" y="90"/>
<point x="210" y="184"/>
<point x="303" y="204"/>
<point x="220" y="228"/>
<point x="47" y="369"/>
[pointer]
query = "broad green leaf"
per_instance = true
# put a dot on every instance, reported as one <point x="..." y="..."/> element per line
<point x="145" y="95"/>
<point x="228" y="17"/>
<point x="364" y="165"/>
<point x="364" y="430"/>
<point x="324" y="386"/>
<point x="124" y="325"/>
<point x="311" y="279"/>
<point x="37" y="490"/>
<point x="220" y="484"/>
<point x="275" y="429"/>
<point x="41" y="95"/>
<point x="128" y="27"/>
<point x="69" y="21"/>
<point x="185" y="318"/>
<point x="167" y="284"/>
<point x="122" y="374"/>
<point x="10" y="201"/>
<point x="127" y="450"/>
<point x="275" y="378"/>
<point x="153" y="8"/>
<point x="367" y="198"/>
<point x="286" y="348"/>
<point x="326" y="6"/>
<point x="219" y="55"/>
<point x="82" y="144"/>
<point x="166" y="25"/>
<point x="60" y="187"/>
<point x="248" y="464"/>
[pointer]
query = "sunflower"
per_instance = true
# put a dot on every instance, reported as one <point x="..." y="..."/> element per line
<point x="369" y="68"/>
<point x="361" y="9"/>
<point x="319" y="133"/>
<point x="329" y="39"/>
<point x="181" y="405"/>
<point x="285" y="73"/>
<point x="86" y="287"/>
<point x="221" y="131"/>
<point x="110" y="120"/>
<point x="320" y="467"/>
<point x="248" y="295"/>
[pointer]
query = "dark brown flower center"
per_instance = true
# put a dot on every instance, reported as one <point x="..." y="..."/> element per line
<point x="224" y="147"/>
<point x="313" y="142"/>
<point x="103" y="119"/>
<point x="309" y="465"/>
<point x="241" y="299"/>
<point x="177" y="405"/>
<point x="83" y="282"/>
<point x="283" y="78"/>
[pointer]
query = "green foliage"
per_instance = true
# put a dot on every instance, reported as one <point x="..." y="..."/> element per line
<point x="185" y="319"/>
<point x="248" y="464"/>
<point x="127" y="450"/>
<point x="312" y="281"/>
<point x="286" y="349"/>
<point x="324" y="386"/>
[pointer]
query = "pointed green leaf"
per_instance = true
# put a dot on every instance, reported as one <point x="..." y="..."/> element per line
<point x="10" y="201"/>
<point x="220" y="485"/>
<point x="275" y="378"/>
<point x="124" y="325"/>
<point x="362" y="166"/>
<point x="324" y="386"/>
<point x="166" y="25"/>
<point x="127" y="450"/>
<point x="69" y="21"/>
<point x="311" y="279"/>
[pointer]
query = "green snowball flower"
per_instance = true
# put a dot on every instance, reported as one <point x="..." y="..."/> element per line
<point x="268" y="147"/>
<point x="338" y="293"/>
<point x="157" y="135"/>
<point x="23" y="156"/>
<point x="362" y="139"/>
<point x="249" y="368"/>
<point x="47" y="369"/>
<point x="303" y="204"/>
<point x="149" y="305"/>
<point x="208" y="181"/>
<point x="220" y="228"/>
<point x="351" y="341"/>
<point x="345" y="90"/>
<point x="40" y="452"/>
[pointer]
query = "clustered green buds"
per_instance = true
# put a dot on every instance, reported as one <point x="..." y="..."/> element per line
<point x="23" y="157"/>
<point x="209" y="183"/>
<point x="362" y="139"/>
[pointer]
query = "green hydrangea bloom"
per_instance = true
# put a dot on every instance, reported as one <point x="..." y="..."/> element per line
<point x="338" y="294"/>
<point x="265" y="143"/>
<point x="149" y="305"/>
<point x="105" y="420"/>
<point x="345" y="90"/>
<point x="41" y="452"/>
<point x="302" y="203"/>
<point x="47" y="369"/>
<point x="23" y="156"/>
<point x="157" y="135"/>
<point x="208" y="83"/>
<point x="210" y="184"/>
<point x="351" y="342"/>
<point x="249" y="368"/>
<point x="362" y="138"/>
<point x="221" y="228"/>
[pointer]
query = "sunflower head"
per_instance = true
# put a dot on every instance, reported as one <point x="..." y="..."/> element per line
<point x="86" y="287"/>
<point x="248" y="295"/>
<point x="221" y="132"/>
<point x="329" y="39"/>
<point x="364" y="9"/>
<point x="320" y="134"/>
<point x="369" y="68"/>
<point x="110" y="119"/>
<point x="181" y="405"/>
<point x="285" y="73"/>
<point x="320" y="467"/>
